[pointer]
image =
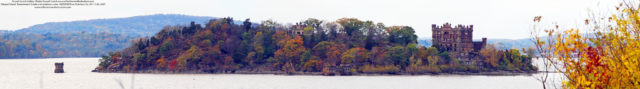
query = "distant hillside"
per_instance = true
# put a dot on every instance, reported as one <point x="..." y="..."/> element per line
<point x="89" y="38"/>
<point x="511" y="44"/>
<point x="133" y="26"/>
<point x="500" y="43"/>
<point x="425" y="42"/>
<point x="20" y="45"/>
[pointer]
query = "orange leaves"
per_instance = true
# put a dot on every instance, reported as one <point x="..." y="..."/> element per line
<point x="225" y="26"/>
<point x="161" y="63"/>
<point x="297" y="41"/>
<point x="333" y="56"/>
<point x="281" y="38"/>
<point x="291" y="51"/>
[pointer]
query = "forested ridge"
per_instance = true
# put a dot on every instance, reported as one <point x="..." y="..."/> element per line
<point x="25" y="45"/>
<point x="345" y="46"/>
<point x="139" y="26"/>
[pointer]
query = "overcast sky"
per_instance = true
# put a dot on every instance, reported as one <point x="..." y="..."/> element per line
<point x="494" y="19"/>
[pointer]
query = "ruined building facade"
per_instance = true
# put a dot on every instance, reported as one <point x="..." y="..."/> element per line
<point x="458" y="41"/>
<point x="297" y="29"/>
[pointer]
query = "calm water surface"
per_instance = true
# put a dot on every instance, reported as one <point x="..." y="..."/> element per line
<point x="38" y="73"/>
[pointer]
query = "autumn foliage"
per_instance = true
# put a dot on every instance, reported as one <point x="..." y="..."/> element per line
<point x="604" y="56"/>
<point x="346" y="46"/>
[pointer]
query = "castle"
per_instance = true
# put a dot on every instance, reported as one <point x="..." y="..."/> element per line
<point x="297" y="29"/>
<point x="457" y="41"/>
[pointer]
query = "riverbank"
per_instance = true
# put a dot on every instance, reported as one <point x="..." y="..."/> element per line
<point x="490" y="73"/>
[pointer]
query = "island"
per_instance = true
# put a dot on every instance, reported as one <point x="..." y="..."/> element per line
<point x="347" y="46"/>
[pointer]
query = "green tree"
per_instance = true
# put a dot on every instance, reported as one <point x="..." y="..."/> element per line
<point x="140" y="58"/>
<point x="308" y="37"/>
<point x="432" y="53"/>
<point x="357" y="55"/>
<point x="398" y="56"/>
<point x="351" y="25"/>
<point x="258" y="46"/>
<point x="402" y="35"/>
<point x="190" y="57"/>
<point x="515" y="58"/>
<point x="166" y="45"/>
<point x="322" y="48"/>
<point x="105" y="61"/>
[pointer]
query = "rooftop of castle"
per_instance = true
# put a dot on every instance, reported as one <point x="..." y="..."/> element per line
<point x="447" y="25"/>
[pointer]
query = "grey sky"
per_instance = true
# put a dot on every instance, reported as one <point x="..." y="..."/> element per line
<point x="495" y="19"/>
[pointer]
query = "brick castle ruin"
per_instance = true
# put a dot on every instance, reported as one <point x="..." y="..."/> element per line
<point x="458" y="41"/>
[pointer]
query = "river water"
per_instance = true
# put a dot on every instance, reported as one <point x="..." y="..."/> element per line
<point x="38" y="74"/>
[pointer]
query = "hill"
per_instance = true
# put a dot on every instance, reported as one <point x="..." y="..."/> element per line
<point x="146" y="25"/>
<point x="23" y="45"/>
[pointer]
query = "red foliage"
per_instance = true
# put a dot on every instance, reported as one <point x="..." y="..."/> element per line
<point x="173" y="64"/>
<point x="594" y="59"/>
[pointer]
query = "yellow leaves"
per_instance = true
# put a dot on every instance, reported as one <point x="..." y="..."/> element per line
<point x="539" y="41"/>
<point x="609" y="59"/>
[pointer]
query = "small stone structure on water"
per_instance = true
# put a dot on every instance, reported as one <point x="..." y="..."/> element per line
<point x="59" y="68"/>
